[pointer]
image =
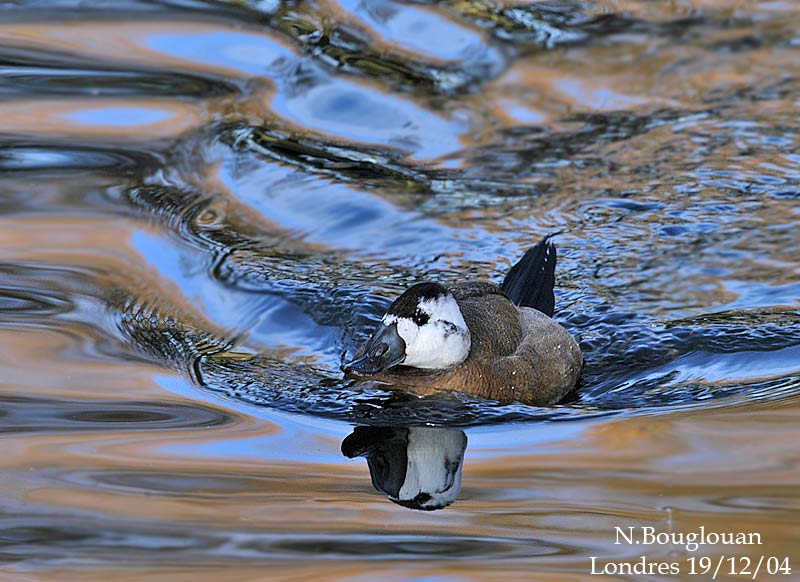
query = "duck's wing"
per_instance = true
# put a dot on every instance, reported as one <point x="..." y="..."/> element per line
<point x="544" y="368"/>
<point x="531" y="281"/>
<point x="493" y="321"/>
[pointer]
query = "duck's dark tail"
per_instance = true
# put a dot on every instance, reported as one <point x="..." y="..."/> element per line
<point x="530" y="282"/>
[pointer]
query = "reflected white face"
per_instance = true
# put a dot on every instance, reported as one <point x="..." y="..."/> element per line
<point x="434" y="457"/>
<point x="435" y="333"/>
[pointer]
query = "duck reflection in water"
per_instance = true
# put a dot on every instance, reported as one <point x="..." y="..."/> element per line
<point x="416" y="467"/>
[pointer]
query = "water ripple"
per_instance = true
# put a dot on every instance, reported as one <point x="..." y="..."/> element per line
<point x="43" y="415"/>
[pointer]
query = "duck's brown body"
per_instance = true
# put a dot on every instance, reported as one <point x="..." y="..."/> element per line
<point x="517" y="354"/>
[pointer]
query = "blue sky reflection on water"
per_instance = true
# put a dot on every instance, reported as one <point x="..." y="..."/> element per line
<point x="342" y="216"/>
<point x="120" y="116"/>
<point x="348" y="111"/>
<point x="340" y="108"/>
<point x="412" y="28"/>
<point x="246" y="52"/>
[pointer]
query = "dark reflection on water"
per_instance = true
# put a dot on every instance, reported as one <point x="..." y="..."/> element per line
<point x="37" y="415"/>
<point x="88" y="544"/>
<point x="416" y="467"/>
<point x="27" y="157"/>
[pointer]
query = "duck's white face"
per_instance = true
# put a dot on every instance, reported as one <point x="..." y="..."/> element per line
<point x="424" y="328"/>
<point x="436" y="335"/>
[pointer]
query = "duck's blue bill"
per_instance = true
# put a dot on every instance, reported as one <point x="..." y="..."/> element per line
<point x="382" y="351"/>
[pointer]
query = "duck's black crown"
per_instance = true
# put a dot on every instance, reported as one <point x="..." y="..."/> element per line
<point x="407" y="305"/>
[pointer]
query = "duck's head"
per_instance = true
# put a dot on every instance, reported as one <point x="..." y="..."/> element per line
<point x="423" y="328"/>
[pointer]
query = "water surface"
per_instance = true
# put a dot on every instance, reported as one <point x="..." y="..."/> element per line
<point x="204" y="206"/>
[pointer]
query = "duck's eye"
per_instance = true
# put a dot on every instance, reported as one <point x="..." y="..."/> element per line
<point x="379" y="350"/>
